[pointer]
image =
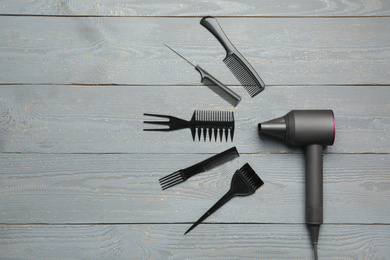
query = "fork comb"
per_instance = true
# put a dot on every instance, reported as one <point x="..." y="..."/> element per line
<point x="245" y="182"/>
<point x="234" y="60"/>
<point x="202" y="124"/>
<point x="208" y="164"/>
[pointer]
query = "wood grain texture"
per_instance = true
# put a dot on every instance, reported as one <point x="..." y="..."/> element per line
<point x="79" y="177"/>
<point x="197" y="8"/>
<point x="109" y="119"/>
<point x="205" y="242"/>
<point x="125" y="189"/>
<point x="109" y="50"/>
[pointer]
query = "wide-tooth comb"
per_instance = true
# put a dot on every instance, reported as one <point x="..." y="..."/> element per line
<point x="234" y="60"/>
<point x="208" y="164"/>
<point x="244" y="182"/>
<point x="218" y="121"/>
<point x="202" y="124"/>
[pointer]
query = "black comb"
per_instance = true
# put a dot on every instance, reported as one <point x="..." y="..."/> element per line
<point x="223" y="91"/>
<point x="234" y="60"/>
<point x="244" y="182"/>
<point x="203" y="124"/>
<point x="208" y="164"/>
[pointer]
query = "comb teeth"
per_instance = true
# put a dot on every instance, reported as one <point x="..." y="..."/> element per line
<point x="171" y="180"/>
<point x="240" y="71"/>
<point x="207" y="122"/>
<point x="250" y="175"/>
<point x="214" y="116"/>
<point x="207" y="133"/>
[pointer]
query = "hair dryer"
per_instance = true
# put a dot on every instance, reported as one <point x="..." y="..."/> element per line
<point x="313" y="129"/>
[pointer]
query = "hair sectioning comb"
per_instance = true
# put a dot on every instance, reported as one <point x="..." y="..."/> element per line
<point x="230" y="96"/>
<point x="208" y="164"/>
<point x="234" y="60"/>
<point x="219" y="122"/>
<point x="244" y="182"/>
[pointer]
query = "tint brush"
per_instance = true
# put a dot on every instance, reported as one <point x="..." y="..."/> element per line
<point x="244" y="182"/>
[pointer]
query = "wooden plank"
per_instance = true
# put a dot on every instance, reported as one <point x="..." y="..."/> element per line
<point x="207" y="242"/>
<point x="109" y="50"/>
<point x="38" y="188"/>
<point x="198" y="8"/>
<point x="109" y="119"/>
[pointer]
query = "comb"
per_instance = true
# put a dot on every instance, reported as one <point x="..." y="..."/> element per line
<point x="208" y="164"/>
<point x="202" y="124"/>
<point x="229" y="95"/>
<point x="245" y="182"/>
<point x="234" y="60"/>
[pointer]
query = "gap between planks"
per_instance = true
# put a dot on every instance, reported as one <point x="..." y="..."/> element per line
<point x="186" y="223"/>
<point x="121" y="153"/>
<point x="184" y="85"/>
<point x="200" y="16"/>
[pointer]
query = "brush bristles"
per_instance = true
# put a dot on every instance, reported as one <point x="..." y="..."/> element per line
<point x="250" y="175"/>
<point x="243" y="75"/>
<point x="214" y="116"/>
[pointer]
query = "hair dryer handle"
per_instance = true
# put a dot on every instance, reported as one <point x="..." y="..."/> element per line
<point x="314" y="184"/>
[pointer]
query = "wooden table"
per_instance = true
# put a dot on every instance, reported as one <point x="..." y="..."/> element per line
<point x="79" y="176"/>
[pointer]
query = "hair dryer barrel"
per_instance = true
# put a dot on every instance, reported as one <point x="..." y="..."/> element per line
<point x="303" y="127"/>
<point x="310" y="127"/>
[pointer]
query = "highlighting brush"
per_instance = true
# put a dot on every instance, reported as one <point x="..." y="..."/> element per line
<point x="244" y="182"/>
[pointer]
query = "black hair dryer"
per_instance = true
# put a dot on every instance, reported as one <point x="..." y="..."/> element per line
<point x="313" y="129"/>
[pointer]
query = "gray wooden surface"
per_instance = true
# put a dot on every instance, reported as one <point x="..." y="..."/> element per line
<point x="130" y="50"/>
<point x="197" y="8"/>
<point x="79" y="177"/>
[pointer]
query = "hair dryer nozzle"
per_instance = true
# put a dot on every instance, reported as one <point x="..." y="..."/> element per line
<point x="275" y="127"/>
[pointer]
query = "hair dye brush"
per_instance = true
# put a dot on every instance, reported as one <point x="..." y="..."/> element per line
<point x="219" y="122"/>
<point x="244" y="182"/>
<point x="313" y="129"/>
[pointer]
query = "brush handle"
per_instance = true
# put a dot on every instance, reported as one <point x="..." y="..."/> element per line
<point x="211" y="24"/>
<point x="228" y="196"/>
<point x="229" y="95"/>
